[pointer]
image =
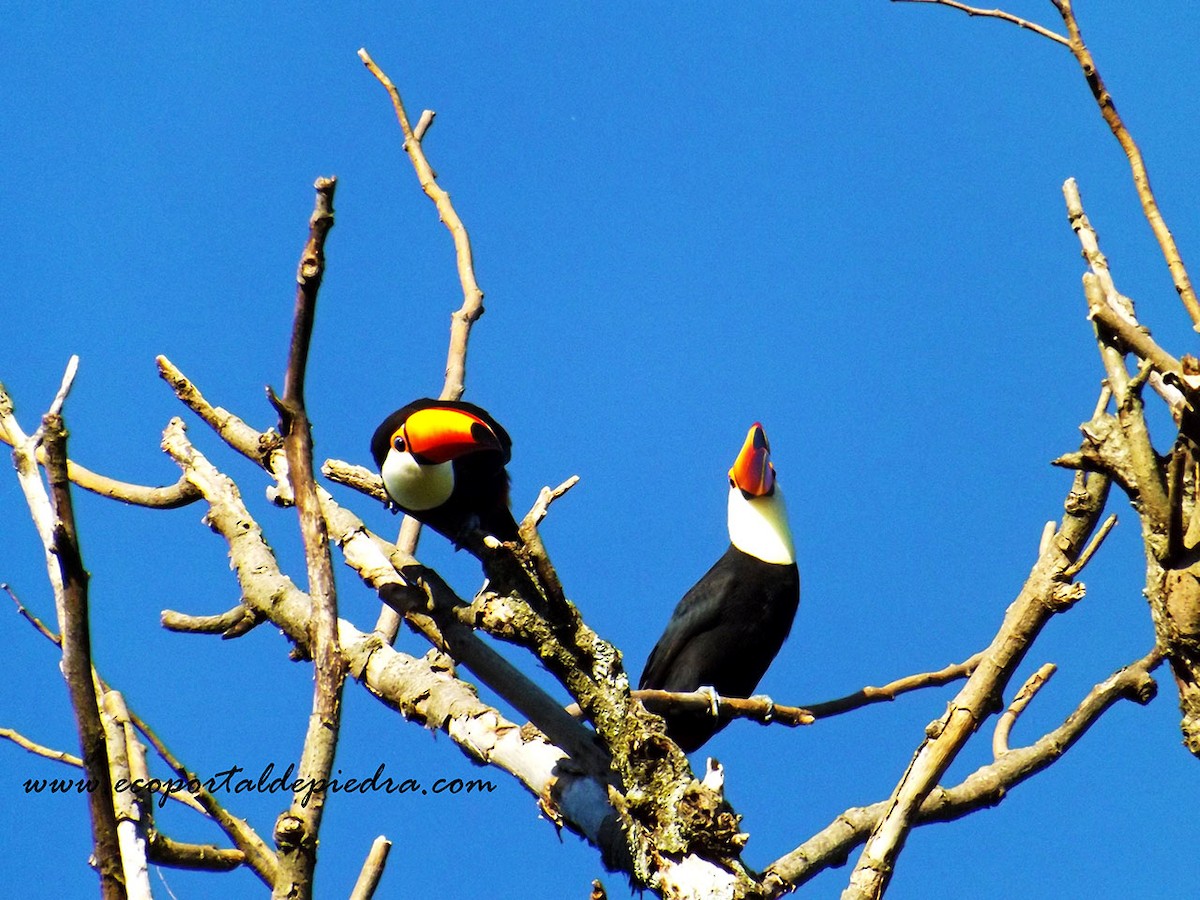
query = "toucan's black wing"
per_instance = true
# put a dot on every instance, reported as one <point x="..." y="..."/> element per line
<point x="697" y="613"/>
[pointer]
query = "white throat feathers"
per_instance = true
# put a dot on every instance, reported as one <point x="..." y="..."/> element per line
<point x="758" y="526"/>
<point x="414" y="486"/>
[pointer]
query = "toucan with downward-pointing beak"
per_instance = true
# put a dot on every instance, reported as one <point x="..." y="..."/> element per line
<point x="442" y="462"/>
<point x="727" y="629"/>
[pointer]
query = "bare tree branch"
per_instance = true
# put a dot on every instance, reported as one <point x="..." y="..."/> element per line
<point x="31" y="618"/>
<point x="254" y="849"/>
<point x="461" y="320"/>
<point x="537" y="514"/>
<point x="296" y="832"/>
<point x="1141" y="177"/>
<point x="420" y="689"/>
<point x="385" y="573"/>
<point x="1046" y="592"/>
<point x="1137" y="166"/>
<point x="472" y="308"/>
<point x="167" y="852"/>
<point x="229" y="624"/>
<point x="133" y="818"/>
<point x="372" y="870"/>
<point x="997" y="14"/>
<point x="39" y="749"/>
<point x="892" y="690"/>
<point x="985" y="787"/>
<point x="1008" y="718"/>
<point x="71" y="602"/>
<point x="764" y="711"/>
<point x="170" y="497"/>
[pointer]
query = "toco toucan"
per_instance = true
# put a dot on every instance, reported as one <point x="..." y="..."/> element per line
<point x="727" y="629"/>
<point x="442" y="462"/>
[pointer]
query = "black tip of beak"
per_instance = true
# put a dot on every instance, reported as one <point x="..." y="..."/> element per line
<point x="760" y="437"/>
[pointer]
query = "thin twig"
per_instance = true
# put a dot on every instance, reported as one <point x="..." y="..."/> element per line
<point x="765" y="711"/>
<point x="49" y="752"/>
<point x="472" y="307"/>
<point x="229" y="624"/>
<point x="997" y="14"/>
<point x="257" y="854"/>
<point x="372" y="870"/>
<point x="1137" y="165"/>
<point x="1008" y="718"/>
<point x="1089" y="551"/>
<point x="31" y="618"/>
<point x="545" y="497"/>
<point x="894" y="689"/>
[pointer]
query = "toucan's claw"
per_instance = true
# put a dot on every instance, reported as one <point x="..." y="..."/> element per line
<point x="770" y="704"/>
<point x="714" y="699"/>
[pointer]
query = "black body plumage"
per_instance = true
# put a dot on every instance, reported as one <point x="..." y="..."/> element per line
<point x="724" y="633"/>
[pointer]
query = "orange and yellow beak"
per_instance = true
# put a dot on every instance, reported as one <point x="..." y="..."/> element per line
<point x="752" y="472"/>
<point x="440" y="434"/>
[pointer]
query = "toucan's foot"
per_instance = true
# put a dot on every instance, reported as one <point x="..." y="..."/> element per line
<point x="714" y="699"/>
<point x="770" y="704"/>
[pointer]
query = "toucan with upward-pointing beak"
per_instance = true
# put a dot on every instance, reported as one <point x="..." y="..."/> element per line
<point x="442" y="462"/>
<point x="727" y="629"/>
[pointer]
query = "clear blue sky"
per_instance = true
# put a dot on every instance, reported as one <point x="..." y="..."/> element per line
<point x="843" y="220"/>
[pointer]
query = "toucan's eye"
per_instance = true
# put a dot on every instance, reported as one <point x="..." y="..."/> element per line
<point x="398" y="442"/>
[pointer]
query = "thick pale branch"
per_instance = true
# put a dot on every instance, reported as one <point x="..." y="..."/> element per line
<point x="170" y="497"/>
<point x="431" y="608"/>
<point x="1144" y="476"/>
<point x="383" y="573"/>
<point x="423" y="690"/>
<point x="133" y="814"/>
